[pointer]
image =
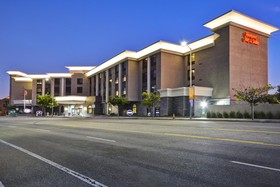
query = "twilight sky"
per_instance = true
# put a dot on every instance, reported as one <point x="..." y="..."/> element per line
<point x="42" y="36"/>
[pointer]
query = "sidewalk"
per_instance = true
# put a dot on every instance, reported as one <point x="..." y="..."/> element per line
<point x="152" y="118"/>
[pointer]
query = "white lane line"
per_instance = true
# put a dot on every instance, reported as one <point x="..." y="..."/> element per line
<point x="1" y="185"/>
<point x="41" y="130"/>
<point x="82" y="177"/>
<point x="102" y="139"/>
<point x="257" y="166"/>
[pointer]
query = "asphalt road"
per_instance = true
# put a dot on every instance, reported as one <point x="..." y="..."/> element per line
<point x="137" y="152"/>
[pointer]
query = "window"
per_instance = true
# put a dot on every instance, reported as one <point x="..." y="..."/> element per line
<point x="192" y="59"/>
<point x="56" y="82"/>
<point x="56" y="91"/>
<point x="68" y="81"/>
<point x="79" y="90"/>
<point x="68" y="90"/>
<point x="79" y="81"/>
<point x="193" y="74"/>
<point x="117" y="93"/>
<point x="134" y="108"/>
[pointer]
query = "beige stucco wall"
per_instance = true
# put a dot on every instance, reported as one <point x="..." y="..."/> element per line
<point x="17" y="88"/>
<point x="132" y="81"/>
<point x="172" y="71"/>
<point x="212" y="66"/>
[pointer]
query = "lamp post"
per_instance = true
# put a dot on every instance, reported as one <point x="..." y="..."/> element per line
<point x="184" y="43"/>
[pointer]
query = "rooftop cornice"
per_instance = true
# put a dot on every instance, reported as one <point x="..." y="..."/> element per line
<point x="160" y="45"/>
<point x="240" y="19"/>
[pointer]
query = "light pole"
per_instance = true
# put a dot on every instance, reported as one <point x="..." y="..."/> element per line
<point x="191" y="91"/>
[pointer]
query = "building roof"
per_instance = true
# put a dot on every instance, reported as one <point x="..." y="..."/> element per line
<point x="160" y="45"/>
<point x="240" y="19"/>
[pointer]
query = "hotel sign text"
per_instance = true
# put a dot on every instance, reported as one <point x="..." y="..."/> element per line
<point x="250" y="38"/>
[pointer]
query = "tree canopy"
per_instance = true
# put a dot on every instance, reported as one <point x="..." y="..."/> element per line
<point x="118" y="101"/>
<point x="150" y="100"/>
<point x="46" y="101"/>
<point x="253" y="96"/>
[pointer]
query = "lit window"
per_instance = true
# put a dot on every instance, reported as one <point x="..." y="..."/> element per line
<point x="124" y="79"/>
<point x="117" y="93"/>
<point x="134" y="108"/>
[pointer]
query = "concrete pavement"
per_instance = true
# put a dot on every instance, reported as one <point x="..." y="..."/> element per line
<point x="121" y="152"/>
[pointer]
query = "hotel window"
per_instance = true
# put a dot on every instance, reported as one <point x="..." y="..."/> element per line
<point x="79" y="90"/>
<point x="79" y="81"/>
<point x="47" y="86"/>
<point x="117" y="93"/>
<point x="153" y="72"/>
<point x="144" y="75"/>
<point x="192" y="59"/>
<point x="39" y="87"/>
<point x="193" y="74"/>
<point x="56" y="86"/>
<point x="68" y="86"/>
<point x="90" y="86"/>
<point x="94" y="85"/>
<point x="110" y="81"/>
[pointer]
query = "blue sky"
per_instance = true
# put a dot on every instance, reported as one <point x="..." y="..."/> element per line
<point x="40" y="36"/>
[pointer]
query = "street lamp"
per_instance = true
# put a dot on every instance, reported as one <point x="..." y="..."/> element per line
<point x="185" y="43"/>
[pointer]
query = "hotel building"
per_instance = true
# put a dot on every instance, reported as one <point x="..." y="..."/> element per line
<point x="234" y="56"/>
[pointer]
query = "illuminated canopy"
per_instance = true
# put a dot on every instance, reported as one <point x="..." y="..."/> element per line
<point x="71" y="99"/>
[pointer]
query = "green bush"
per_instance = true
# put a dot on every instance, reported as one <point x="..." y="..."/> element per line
<point x="219" y="115"/>
<point x="213" y="115"/>
<point x="239" y="114"/>
<point x="208" y="115"/>
<point x="225" y="115"/>
<point x="232" y="114"/>
<point x="260" y="115"/>
<point x="246" y="115"/>
<point x="269" y="115"/>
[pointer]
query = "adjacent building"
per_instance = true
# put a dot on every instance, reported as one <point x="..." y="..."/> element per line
<point x="235" y="55"/>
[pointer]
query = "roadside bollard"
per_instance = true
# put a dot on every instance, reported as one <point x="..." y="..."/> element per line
<point x="173" y="116"/>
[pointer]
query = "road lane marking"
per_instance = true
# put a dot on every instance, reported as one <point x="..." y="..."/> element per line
<point x="178" y="135"/>
<point x="102" y="139"/>
<point x="41" y="130"/>
<point x="257" y="166"/>
<point x="45" y="130"/>
<point x="82" y="177"/>
<point x="1" y="184"/>
<point x="204" y="128"/>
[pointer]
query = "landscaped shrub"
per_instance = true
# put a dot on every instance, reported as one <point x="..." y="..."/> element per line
<point x="239" y="114"/>
<point x="225" y="115"/>
<point x="232" y="114"/>
<point x="246" y="115"/>
<point x="208" y="115"/>
<point x="213" y="115"/>
<point x="269" y="115"/>
<point x="260" y="115"/>
<point x="219" y="115"/>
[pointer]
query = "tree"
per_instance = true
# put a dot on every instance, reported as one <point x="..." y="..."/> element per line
<point x="46" y="101"/>
<point x="253" y="96"/>
<point x="119" y="102"/>
<point x="150" y="100"/>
